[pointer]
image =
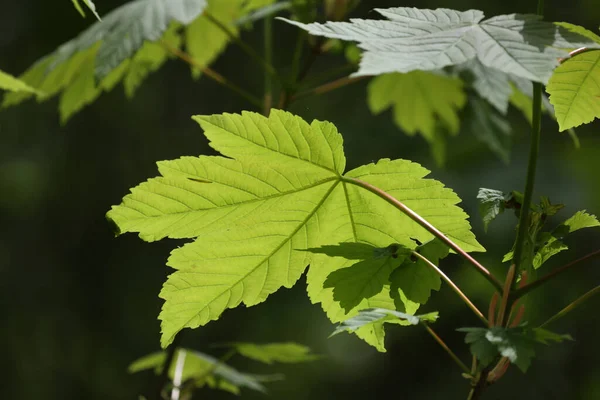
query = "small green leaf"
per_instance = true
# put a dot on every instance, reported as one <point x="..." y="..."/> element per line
<point x="490" y="84"/>
<point x="422" y="102"/>
<point x="574" y="90"/>
<point x="275" y="352"/>
<point x="379" y="315"/>
<point x="551" y="243"/>
<point x="258" y="12"/>
<point x="580" y="30"/>
<point x="90" y="4"/>
<point x="203" y="369"/>
<point x="516" y="344"/>
<point x="9" y="82"/>
<point x="491" y="204"/>
<point x="366" y="278"/>
<point x="415" y="279"/>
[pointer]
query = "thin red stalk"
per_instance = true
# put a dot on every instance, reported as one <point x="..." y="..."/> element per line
<point x="432" y="229"/>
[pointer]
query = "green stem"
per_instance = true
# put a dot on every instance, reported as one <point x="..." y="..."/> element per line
<point x="453" y="286"/>
<point x="220" y="79"/>
<point x="438" y="339"/>
<point x="268" y="45"/>
<point x="426" y="225"/>
<point x="572" y="306"/>
<point x="164" y="373"/>
<point x="535" y="284"/>
<point x="242" y="45"/>
<point x="522" y="232"/>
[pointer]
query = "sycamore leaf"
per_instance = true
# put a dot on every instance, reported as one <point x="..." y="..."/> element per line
<point x="10" y="83"/>
<point x="262" y="11"/>
<point x="279" y="190"/>
<point x="421" y="101"/>
<point x="367" y="277"/>
<point x="379" y="315"/>
<point x="412" y="39"/>
<point x="488" y="126"/>
<point x="551" y="241"/>
<point x="203" y="369"/>
<point x="489" y="83"/>
<point x="575" y="90"/>
<point x="516" y="344"/>
<point x="491" y="204"/>
<point x="275" y="352"/>
<point x="415" y="278"/>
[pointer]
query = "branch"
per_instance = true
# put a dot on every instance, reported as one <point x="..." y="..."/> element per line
<point x="535" y="284"/>
<point x="268" y="47"/>
<point x="453" y="286"/>
<point x="247" y="49"/>
<point x="438" y="339"/>
<point x="328" y="87"/>
<point x="164" y="373"/>
<point x="220" y="79"/>
<point x="430" y="228"/>
<point x="580" y="300"/>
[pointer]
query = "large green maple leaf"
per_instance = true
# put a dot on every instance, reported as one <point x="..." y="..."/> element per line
<point x="282" y="190"/>
<point x="419" y="39"/>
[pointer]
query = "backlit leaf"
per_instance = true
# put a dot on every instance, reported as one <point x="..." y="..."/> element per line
<point x="254" y="214"/>
<point x="574" y="90"/>
<point x="275" y="352"/>
<point x="421" y="102"/>
<point x="379" y="315"/>
<point x="10" y="83"/>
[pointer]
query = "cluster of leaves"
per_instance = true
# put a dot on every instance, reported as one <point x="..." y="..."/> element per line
<point x="281" y="192"/>
<point x="194" y="369"/>
<point x="129" y="43"/>
<point x="454" y="64"/>
<point x="516" y="344"/>
<point x="449" y="61"/>
<point x="540" y="245"/>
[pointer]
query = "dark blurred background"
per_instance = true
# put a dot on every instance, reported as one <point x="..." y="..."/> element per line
<point x="78" y="305"/>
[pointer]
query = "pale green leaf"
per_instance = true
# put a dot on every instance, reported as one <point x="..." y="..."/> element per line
<point x="516" y="344"/>
<point x="580" y="30"/>
<point x="261" y="9"/>
<point x="275" y="352"/>
<point x="379" y="315"/>
<point x="421" y="102"/>
<point x="491" y="204"/>
<point x="489" y="83"/>
<point x="204" y="39"/>
<point x="552" y="243"/>
<point x="90" y="4"/>
<point x="575" y="90"/>
<point x="413" y="39"/>
<point x="280" y="191"/>
<point x="203" y="369"/>
<point x="10" y="83"/>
